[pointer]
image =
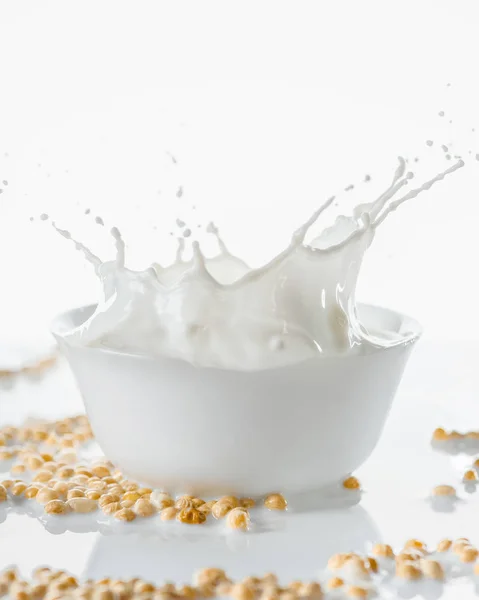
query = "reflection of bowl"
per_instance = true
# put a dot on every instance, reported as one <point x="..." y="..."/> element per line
<point x="170" y="424"/>
<point x="293" y="546"/>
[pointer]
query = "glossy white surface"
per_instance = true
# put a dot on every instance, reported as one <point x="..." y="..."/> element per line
<point x="302" y="427"/>
<point x="440" y="387"/>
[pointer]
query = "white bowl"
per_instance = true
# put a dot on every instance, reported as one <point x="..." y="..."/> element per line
<point x="303" y="427"/>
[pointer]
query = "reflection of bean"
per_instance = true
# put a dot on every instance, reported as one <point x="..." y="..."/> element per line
<point x="444" y="504"/>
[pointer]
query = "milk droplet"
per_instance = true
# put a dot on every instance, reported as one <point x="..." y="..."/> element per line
<point x="429" y="143"/>
<point x="180" y="223"/>
<point x="349" y="188"/>
<point x="187" y="233"/>
<point x="5" y="182"/>
<point x="99" y="221"/>
<point x="44" y="217"/>
<point x="445" y="148"/>
<point x="441" y="113"/>
<point x="179" y="192"/>
<point x="87" y="211"/>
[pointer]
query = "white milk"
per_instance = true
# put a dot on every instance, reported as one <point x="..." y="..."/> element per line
<point x="217" y="312"/>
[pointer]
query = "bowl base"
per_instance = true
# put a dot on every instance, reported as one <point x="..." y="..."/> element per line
<point x="330" y="497"/>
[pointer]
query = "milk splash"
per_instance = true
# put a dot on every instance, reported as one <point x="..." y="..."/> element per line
<point x="217" y="312"/>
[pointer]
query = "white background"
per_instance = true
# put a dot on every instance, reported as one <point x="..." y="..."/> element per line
<point x="270" y="107"/>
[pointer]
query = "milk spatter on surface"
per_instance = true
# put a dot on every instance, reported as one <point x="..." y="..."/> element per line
<point x="217" y="312"/>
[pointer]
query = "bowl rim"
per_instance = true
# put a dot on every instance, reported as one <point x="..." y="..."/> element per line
<point x="413" y="327"/>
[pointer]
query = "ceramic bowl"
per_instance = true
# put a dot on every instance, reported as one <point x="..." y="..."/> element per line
<point x="172" y="425"/>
